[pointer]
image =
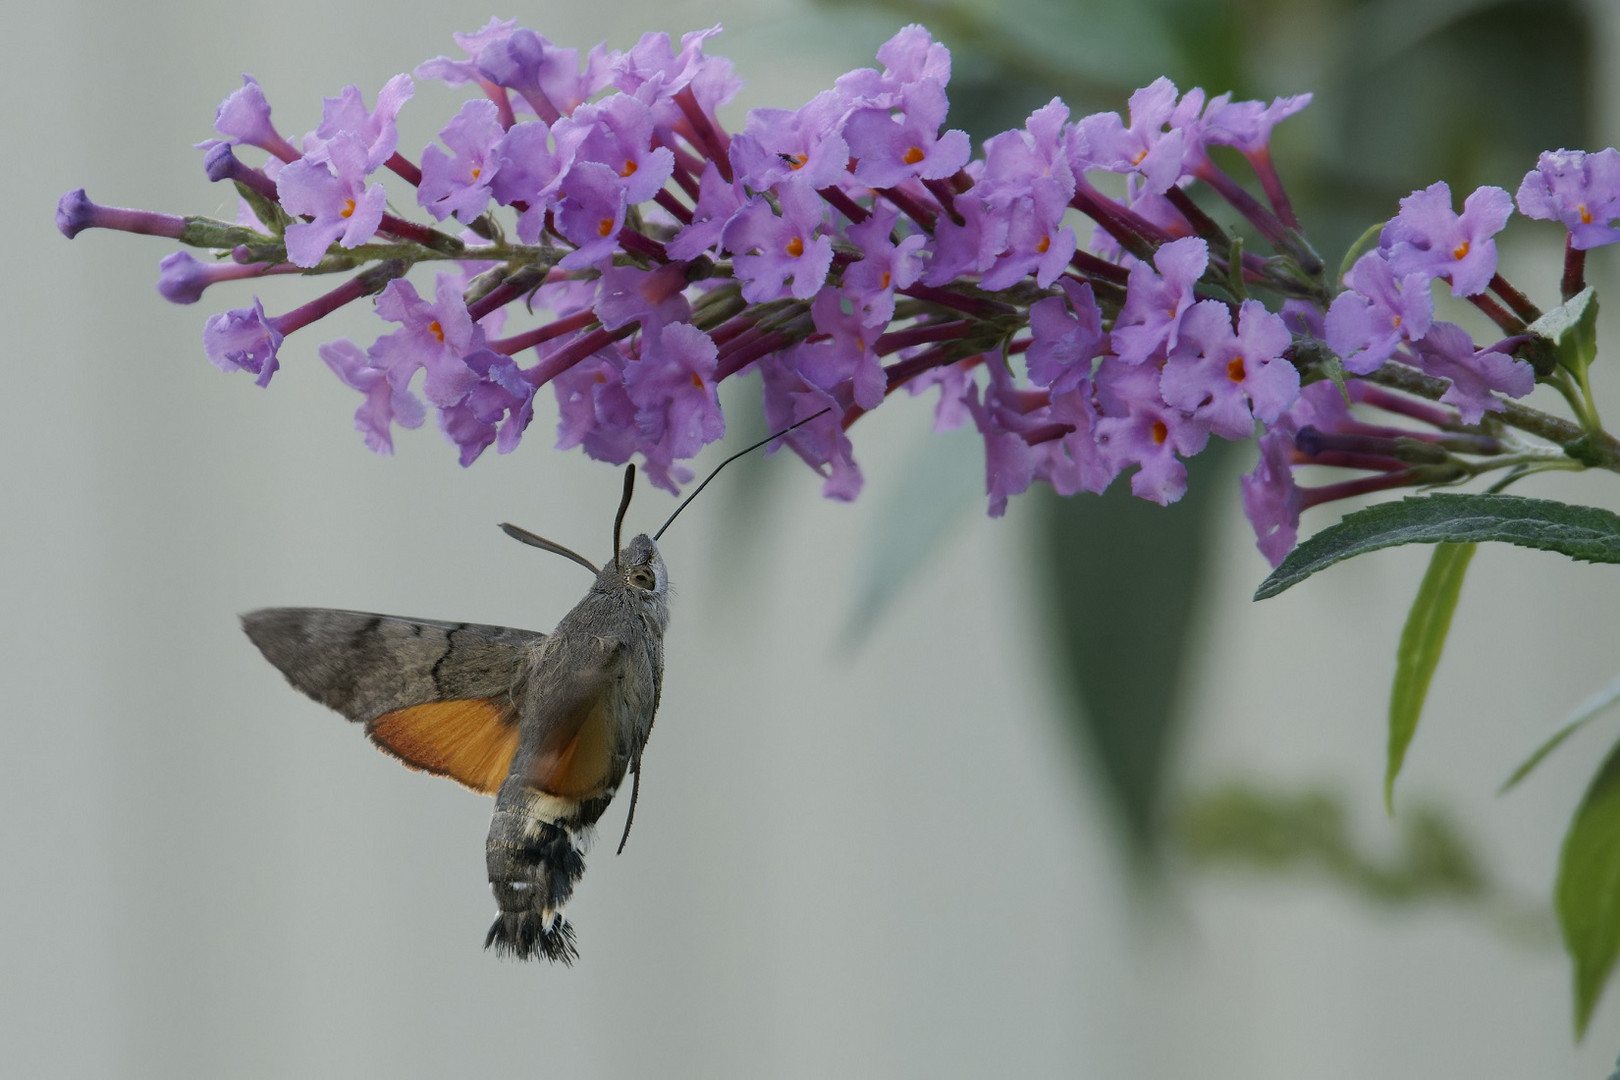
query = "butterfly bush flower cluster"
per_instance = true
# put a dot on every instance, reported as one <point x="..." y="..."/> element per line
<point x="595" y="234"/>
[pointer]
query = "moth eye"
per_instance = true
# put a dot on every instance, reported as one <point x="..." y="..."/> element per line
<point x="642" y="578"/>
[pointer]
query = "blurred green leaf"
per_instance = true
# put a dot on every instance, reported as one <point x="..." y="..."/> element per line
<point x="1239" y="824"/>
<point x="1120" y="578"/>
<point x="944" y="478"/>
<point x="1586" y="533"/>
<point x="1587" y="710"/>
<point x="1587" y="896"/>
<point x="1423" y="638"/>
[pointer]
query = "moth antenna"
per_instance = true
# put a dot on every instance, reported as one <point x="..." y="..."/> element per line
<point x="624" y="505"/>
<point x="728" y="461"/>
<point x="543" y="544"/>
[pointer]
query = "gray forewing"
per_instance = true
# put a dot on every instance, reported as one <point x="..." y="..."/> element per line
<point x="364" y="665"/>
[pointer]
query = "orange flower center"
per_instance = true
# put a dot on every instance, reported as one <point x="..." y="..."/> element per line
<point x="348" y="208"/>
<point x="437" y="331"/>
<point x="1234" y="369"/>
<point x="604" y="226"/>
<point x="1160" y="432"/>
<point x="795" y="247"/>
<point x="1460" y="250"/>
<point x="912" y="156"/>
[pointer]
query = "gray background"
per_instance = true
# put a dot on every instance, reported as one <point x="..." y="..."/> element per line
<point x="878" y="861"/>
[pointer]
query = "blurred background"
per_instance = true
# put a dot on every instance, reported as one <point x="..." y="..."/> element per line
<point x="930" y="794"/>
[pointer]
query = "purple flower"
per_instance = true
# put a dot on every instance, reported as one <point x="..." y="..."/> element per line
<point x="618" y="133"/>
<point x="770" y="251"/>
<point x="459" y="183"/>
<point x="910" y="57"/>
<point x="1427" y="237"/>
<point x="1138" y="428"/>
<point x="1066" y="335"/>
<point x="1579" y="189"/>
<point x="1152" y="147"/>
<point x="841" y="363"/>
<point x="436" y="337"/>
<point x="1229" y="378"/>
<point x="1271" y="499"/>
<point x="346" y="114"/>
<point x="675" y="392"/>
<point x="1154" y="304"/>
<point x="653" y="298"/>
<point x="1377" y="314"/>
<point x="244" y="117"/>
<point x="1447" y="352"/>
<point x="594" y="409"/>
<point x="384" y="404"/>
<point x="718" y="202"/>
<point x="590" y="214"/>
<point x="884" y="265"/>
<point x="893" y="149"/>
<point x="531" y="171"/>
<point x="822" y="442"/>
<point x="243" y="339"/>
<point x="1246" y="124"/>
<point x="1035" y="241"/>
<point x="334" y="194"/>
<point x="804" y="144"/>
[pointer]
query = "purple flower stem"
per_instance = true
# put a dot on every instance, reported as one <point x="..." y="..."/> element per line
<point x="571" y="354"/>
<point x="1508" y="322"/>
<point x="844" y="205"/>
<point x="543" y="106"/>
<point x="1600" y="450"/>
<point x="1272" y="185"/>
<point x="911" y="207"/>
<point x="688" y="167"/>
<point x="221" y="163"/>
<point x="941" y="190"/>
<point x="541" y="334"/>
<point x="1134" y="233"/>
<point x="75" y="213"/>
<point x="902" y="372"/>
<point x="519" y="284"/>
<point x="1264" y="221"/>
<point x="1202" y="223"/>
<point x="1099" y="271"/>
<point x="976" y="306"/>
<point x="1403" y="405"/>
<point x="921" y="335"/>
<point x="673" y="206"/>
<point x="709" y="141"/>
<point x="363" y="284"/>
<point x="1350" y="459"/>
<point x="1521" y="305"/>
<point x="420" y="234"/>
<point x="405" y="169"/>
<point x="503" y="103"/>
<point x="1574" y="279"/>
<point x="1316" y="496"/>
<point x="1046" y="433"/>
<point x="746" y="350"/>
<point x="1314" y="443"/>
<point x="631" y="240"/>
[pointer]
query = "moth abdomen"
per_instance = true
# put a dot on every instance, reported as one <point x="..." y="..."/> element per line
<point x="535" y="856"/>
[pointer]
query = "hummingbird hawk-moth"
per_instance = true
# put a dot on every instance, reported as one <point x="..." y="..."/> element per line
<point x="547" y="723"/>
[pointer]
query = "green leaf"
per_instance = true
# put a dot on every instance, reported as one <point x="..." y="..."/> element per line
<point x="1587" y="710"/>
<point x="1572" y="328"/>
<point x="1587" y="896"/>
<point x="1120" y="579"/>
<point x="944" y="481"/>
<point x="1581" y="532"/>
<point x="1422" y="640"/>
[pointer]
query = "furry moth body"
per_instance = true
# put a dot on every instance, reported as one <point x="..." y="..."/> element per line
<point x="547" y="723"/>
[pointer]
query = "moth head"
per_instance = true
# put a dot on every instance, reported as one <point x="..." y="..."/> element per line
<point x="641" y="567"/>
